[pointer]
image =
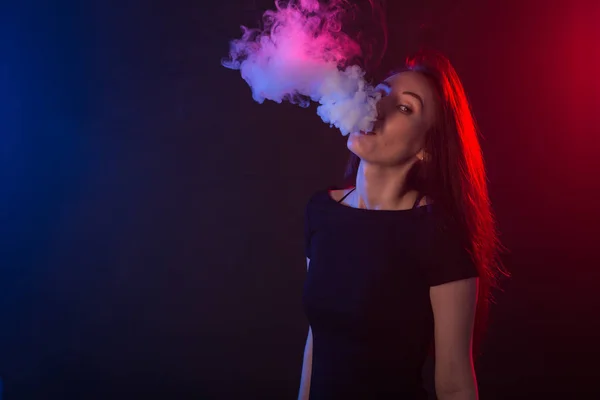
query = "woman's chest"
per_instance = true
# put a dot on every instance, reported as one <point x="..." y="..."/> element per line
<point x="364" y="277"/>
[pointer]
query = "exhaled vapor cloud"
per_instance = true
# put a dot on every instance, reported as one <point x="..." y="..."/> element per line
<point x="301" y="54"/>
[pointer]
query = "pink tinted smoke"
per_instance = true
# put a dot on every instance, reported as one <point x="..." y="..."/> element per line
<point x="302" y="53"/>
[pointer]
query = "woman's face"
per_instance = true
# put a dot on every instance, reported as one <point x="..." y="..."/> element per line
<point x="406" y="112"/>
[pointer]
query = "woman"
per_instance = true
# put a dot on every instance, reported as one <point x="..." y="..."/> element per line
<point x="401" y="262"/>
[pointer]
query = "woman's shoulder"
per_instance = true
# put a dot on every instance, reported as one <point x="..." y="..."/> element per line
<point x="328" y="194"/>
<point x="338" y="194"/>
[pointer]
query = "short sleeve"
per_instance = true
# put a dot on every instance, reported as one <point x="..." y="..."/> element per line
<point x="447" y="258"/>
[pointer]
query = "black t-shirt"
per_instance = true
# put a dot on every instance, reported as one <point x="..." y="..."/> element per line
<point x="366" y="296"/>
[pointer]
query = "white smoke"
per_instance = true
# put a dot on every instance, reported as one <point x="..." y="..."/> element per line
<point x="300" y="55"/>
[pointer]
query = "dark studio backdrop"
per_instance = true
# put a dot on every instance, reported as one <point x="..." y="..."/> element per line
<point x="151" y="231"/>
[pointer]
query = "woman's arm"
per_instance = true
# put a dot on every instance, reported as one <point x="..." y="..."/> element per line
<point x="453" y="307"/>
<point x="304" y="391"/>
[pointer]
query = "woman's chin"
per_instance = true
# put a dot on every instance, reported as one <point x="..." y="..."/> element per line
<point x="357" y="146"/>
<point x="350" y="145"/>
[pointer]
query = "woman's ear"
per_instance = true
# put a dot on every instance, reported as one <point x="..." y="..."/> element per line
<point x="422" y="155"/>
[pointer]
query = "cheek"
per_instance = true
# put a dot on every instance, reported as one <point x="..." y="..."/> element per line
<point x="403" y="134"/>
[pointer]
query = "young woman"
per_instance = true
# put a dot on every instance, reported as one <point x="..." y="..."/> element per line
<point x="402" y="261"/>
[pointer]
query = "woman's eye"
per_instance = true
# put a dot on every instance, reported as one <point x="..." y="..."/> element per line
<point x="403" y="109"/>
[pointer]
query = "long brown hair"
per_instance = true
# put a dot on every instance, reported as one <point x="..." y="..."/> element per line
<point x="453" y="175"/>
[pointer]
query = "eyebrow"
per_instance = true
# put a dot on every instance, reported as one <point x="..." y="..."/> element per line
<point x="416" y="96"/>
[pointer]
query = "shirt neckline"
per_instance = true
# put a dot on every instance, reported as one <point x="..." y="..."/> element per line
<point x="367" y="210"/>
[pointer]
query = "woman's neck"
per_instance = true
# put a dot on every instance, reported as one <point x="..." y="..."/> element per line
<point x="383" y="188"/>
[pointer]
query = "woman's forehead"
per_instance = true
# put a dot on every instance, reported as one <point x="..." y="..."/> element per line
<point x="408" y="80"/>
